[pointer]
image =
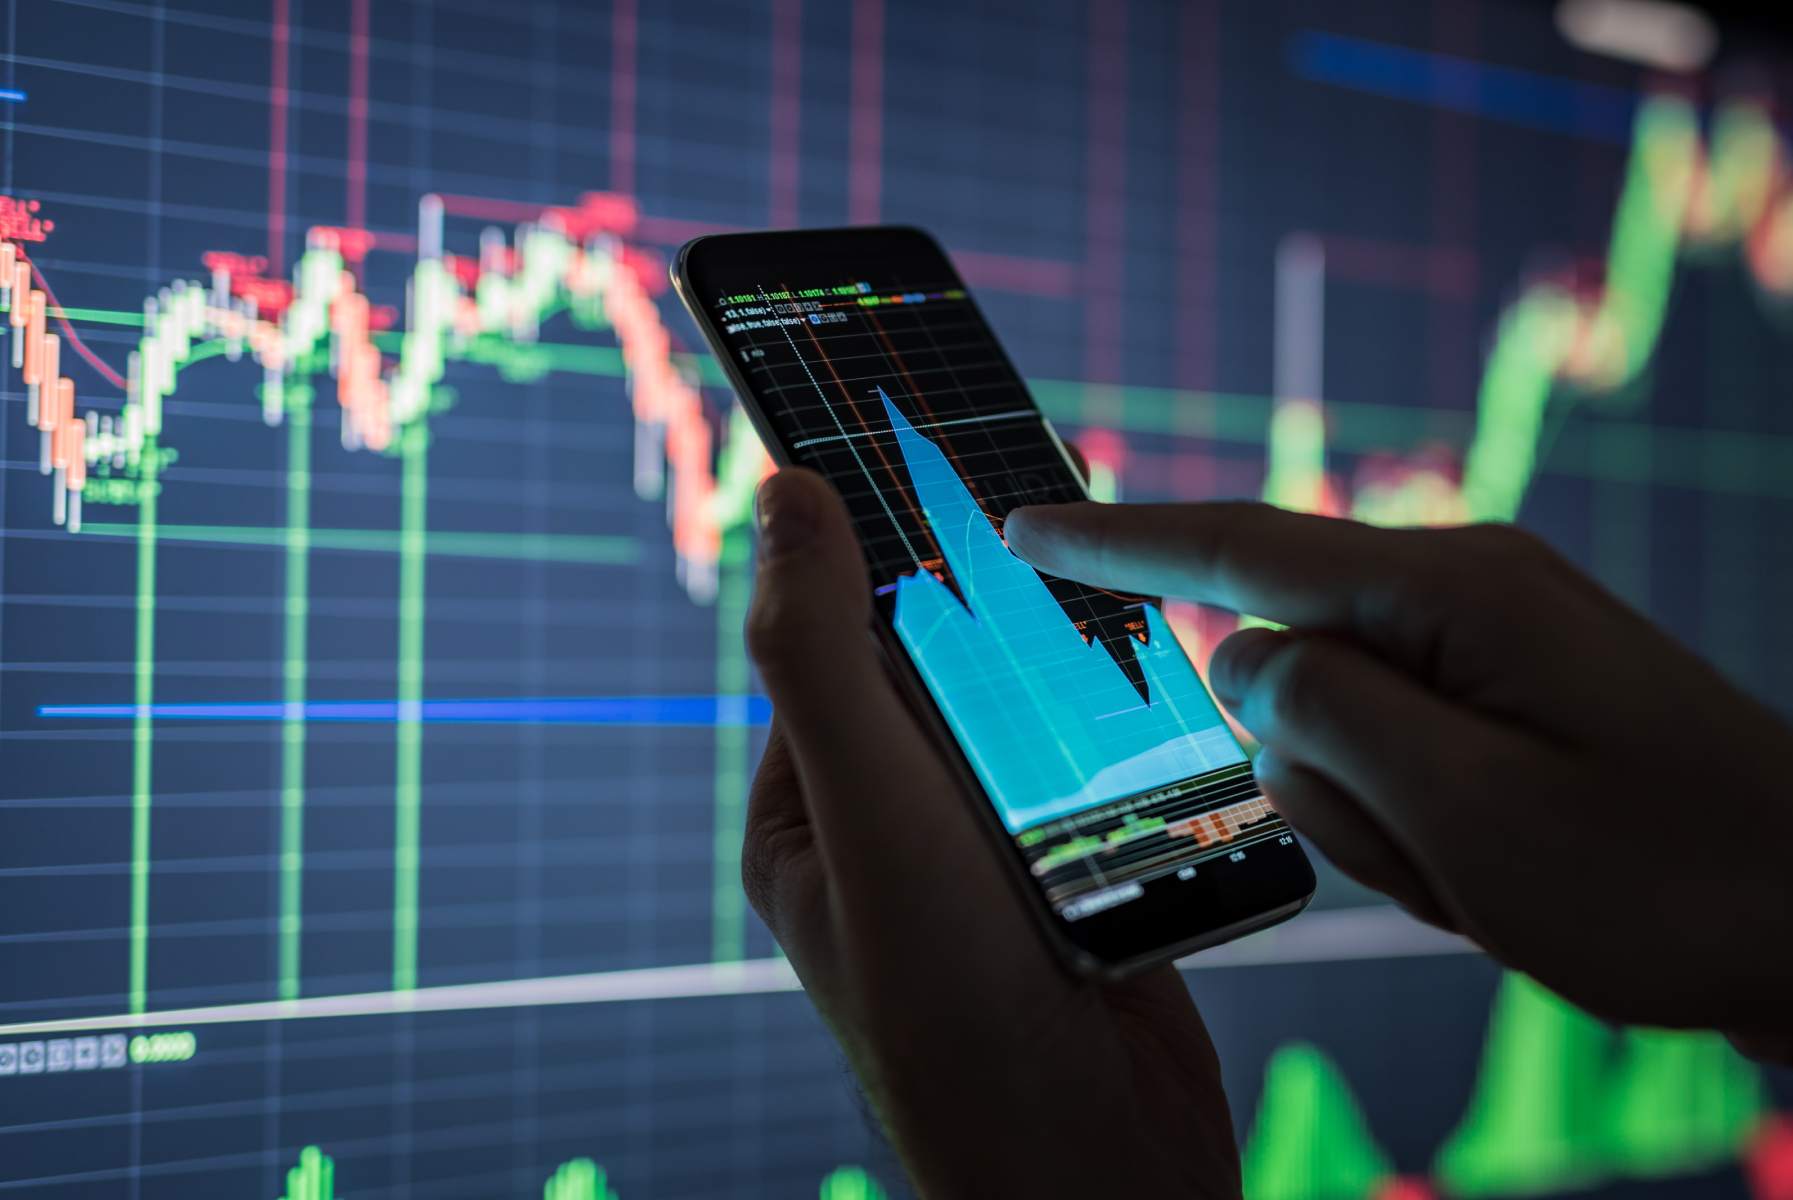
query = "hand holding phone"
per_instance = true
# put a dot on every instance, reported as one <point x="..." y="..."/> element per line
<point x="1461" y="719"/>
<point x="1110" y="785"/>
<point x="994" y="1071"/>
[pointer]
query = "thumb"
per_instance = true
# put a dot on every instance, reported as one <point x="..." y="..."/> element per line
<point x="811" y="600"/>
<point x="884" y="806"/>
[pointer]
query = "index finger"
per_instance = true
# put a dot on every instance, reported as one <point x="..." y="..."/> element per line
<point x="1292" y="568"/>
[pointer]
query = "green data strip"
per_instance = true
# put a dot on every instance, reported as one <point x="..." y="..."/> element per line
<point x="1216" y="415"/>
<point x="100" y="316"/>
<point x="1245" y="419"/>
<point x="520" y="362"/>
<point x="1709" y="460"/>
<point x="529" y="547"/>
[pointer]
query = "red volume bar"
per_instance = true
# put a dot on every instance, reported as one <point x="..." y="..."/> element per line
<point x="1221" y="825"/>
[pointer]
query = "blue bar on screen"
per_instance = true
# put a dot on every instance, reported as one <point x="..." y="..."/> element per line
<point x="751" y="711"/>
<point x="1529" y="98"/>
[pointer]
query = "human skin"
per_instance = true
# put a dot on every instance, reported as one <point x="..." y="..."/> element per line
<point x="993" y="1070"/>
<point x="1456" y="717"/>
<point x="1461" y="719"/>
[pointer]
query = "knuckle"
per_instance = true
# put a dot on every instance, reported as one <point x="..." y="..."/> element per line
<point x="760" y="859"/>
<point x="774" y="835"/>
<point x="765" y="854"/>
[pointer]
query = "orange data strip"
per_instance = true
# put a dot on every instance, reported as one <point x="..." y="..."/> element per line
<point x="566" y="258"/>
<point x="1223" y="824"/>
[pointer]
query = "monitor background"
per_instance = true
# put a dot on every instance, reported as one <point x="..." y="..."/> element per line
<point x="1115" y="180"/>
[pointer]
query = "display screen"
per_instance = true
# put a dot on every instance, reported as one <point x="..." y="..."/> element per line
<point x="376" y="730"/>
<point x="1083" y="718"/>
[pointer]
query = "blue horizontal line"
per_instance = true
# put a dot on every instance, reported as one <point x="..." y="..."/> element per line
<point x="1508" y="94"/>
<point x="10" y="94"/>
<point x="735" y="711"/>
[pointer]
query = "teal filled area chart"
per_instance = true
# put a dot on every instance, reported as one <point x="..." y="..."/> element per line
<point x="1050" y="722"/>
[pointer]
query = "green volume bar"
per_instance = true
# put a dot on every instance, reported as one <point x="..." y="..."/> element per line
<point x="1311" y="1141"/>
<point x="293" y="673"/>
<point x="313" y="1179"/>
<point x="735" y="585"/>
<point x="408" y="795"/>
<point x="1680" y="1103"/>
<point x="1533" y="1124"/>
<point x="143" y="732"/>
<point x="581" y="1179"/>
<point x="1555" y="1110"/>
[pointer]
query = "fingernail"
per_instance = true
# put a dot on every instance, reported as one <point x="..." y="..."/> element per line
<point x="787" y="516"/>
<point x="1021" y="525"/>
<point x="1238" y="660"/>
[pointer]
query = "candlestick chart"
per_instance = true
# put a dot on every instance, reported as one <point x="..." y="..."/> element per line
<point x="1561" y="1102"/>
<point x="323" y="321"/>
<point x="495" y="314"/>
<point x="1580" y="332"/>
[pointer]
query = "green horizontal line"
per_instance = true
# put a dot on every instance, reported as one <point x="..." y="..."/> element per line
<point x="1588" y="445"/>
<point x="532" y="547"/>
<point x="103" y="316"/>
<point x="1236" y="417"/>
<point x="523" y="361"/>
<point x="1707" y="460"/>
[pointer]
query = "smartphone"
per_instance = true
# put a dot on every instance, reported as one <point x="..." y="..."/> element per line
<point x="1110" y="782"/>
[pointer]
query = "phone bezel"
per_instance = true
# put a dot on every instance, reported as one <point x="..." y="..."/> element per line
<point x="896" y="658"/>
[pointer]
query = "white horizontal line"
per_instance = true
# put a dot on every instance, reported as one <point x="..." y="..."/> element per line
<point x="651" y="983"/>
<point x="841" y="437"/>
<point x="1329" y="936"/>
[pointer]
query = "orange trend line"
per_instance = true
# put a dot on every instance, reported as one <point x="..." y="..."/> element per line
<point x="852" y="407"/>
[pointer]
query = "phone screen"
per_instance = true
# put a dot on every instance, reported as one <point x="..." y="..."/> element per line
<point x="1099" y="747"/>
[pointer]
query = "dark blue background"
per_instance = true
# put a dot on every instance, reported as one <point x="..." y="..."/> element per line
<point x="554" y="850"/>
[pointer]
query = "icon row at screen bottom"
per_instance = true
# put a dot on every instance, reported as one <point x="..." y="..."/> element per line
<point x="65" y="1054"/>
